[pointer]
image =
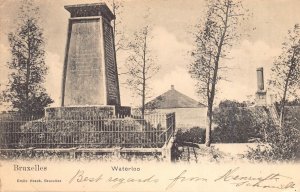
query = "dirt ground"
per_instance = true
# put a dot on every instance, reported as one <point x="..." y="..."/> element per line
<point x="225" y="153"/>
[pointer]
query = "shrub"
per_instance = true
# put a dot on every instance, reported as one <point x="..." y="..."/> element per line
<point x="125" y="132"/>
<point x="280" y="145"/>
<point x="194" y="135"/>
<point x="66" y="133"/>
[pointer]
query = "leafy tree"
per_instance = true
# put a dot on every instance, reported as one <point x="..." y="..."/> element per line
<point x="286" y="70"/>
<point x="231" y="104"/>
<point x="236" y="123"/>
<point x="141" y="65"/>
<point x="25" y="89"/>
<point x="294" y="102"/>
<point x="213" y="42"/>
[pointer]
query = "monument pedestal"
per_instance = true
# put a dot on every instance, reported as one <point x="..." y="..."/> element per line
<point x="261" y="98"/>
<point x="86" y="112"/>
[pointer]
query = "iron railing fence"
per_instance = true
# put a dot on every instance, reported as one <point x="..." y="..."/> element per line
<point x="89" y="132"/>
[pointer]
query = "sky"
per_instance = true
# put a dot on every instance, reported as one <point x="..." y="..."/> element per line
<point x="173" y="22"/>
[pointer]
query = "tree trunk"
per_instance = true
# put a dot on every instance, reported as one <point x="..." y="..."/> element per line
<point x="27" y="71"/>
<point x="214" y="81"/>
<point x="281" y="117"/>
<point x="144" y="77"/>
<point x="208" y="127"/>
<point x="292" y="67"/>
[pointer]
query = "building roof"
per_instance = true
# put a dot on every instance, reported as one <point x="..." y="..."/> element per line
<point x="173" y="99"/>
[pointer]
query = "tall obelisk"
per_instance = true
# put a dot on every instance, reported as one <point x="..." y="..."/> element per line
<point x="90" y="83"/>
<point x="90" y="74"/>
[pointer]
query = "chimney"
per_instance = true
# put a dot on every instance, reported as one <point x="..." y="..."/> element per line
<point x="172" y="87"/>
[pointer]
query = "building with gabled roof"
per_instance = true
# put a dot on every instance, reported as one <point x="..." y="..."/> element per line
<point x="189" y="113"/>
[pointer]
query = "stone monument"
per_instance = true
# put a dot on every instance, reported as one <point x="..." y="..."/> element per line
<point x="90" y="78"/>
<point x="261" y="99"/>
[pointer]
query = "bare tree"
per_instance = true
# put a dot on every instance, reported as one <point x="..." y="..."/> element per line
<point x="141" y="65"/>
<point x="117" y="6"/>
<point x="213" y="43"/>
<point x="119" y="32"/>
<point x="286" y="70"/>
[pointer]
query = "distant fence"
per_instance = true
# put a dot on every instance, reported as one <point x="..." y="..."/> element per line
<point x="27" y="131"/>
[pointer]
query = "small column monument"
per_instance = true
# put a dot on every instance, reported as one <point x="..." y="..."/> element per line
<point x="261" y="99"/>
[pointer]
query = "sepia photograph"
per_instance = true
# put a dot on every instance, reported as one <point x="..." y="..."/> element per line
<point x="150" y="95"/>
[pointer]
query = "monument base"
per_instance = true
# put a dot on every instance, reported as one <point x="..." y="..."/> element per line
<point x="86" y="112"/>
<point x="261" y="98"/>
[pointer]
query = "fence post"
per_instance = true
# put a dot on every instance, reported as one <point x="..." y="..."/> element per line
<point x="166" y="135"/>
<point x="174" y="124"/>
<point x="166" y="155"/>
<point x="72" y="153"/>
<point x="30" y="151"/>
<point x="166" y="151"/>
<point x="117" y="152"/>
